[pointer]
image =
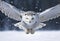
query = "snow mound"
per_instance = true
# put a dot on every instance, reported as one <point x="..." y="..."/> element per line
<point x="38" y="36"/>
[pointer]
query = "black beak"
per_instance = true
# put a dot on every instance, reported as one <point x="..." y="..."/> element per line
<point x="29" y="21"/>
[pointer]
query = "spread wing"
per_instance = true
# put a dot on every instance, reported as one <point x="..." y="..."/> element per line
<point x="10" y="11"/>
<point x="50" y="13"/>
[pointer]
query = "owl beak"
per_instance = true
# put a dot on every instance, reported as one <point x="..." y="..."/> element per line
<point x="29" y="21"/>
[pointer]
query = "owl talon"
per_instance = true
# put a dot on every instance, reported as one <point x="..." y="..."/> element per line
<point x="32" y="31"/>
<point x="27" y="31"/>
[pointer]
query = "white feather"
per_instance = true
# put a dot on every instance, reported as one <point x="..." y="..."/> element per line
<point x="50" y="13"/>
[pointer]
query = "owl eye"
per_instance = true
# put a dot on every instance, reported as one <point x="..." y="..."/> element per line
<point x="32" y="18"/>
<point x="33" y="14"/>
<point x="25" y="14"/>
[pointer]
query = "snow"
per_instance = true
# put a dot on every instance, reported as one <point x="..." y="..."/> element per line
<point x="38" y="36"/>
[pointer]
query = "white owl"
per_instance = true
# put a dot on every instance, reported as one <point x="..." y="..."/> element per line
<point x="30" y="20"/>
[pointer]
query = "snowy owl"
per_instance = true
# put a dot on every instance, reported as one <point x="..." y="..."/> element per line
<point x="30" y="20"/>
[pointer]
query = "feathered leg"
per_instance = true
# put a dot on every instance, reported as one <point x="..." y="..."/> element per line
<point x="27" y="31"/>
<point x="32" y="31"/>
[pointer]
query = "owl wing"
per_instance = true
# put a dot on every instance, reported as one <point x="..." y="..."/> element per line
<point x="50" y="13"/>
<point x="10" y="11"/>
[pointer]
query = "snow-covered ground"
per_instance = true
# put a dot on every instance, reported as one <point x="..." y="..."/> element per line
<point x="38" y="36"/>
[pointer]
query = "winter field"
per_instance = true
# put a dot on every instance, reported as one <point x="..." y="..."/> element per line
<point x="38" y="36"/>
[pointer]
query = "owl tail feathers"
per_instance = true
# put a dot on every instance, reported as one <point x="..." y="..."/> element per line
<point x="40" y="26"/>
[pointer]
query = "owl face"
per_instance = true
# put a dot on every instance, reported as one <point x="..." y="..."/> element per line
<point x="29" y="18"/>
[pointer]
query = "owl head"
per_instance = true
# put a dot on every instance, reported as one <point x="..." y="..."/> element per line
<point x="29" y="17"/>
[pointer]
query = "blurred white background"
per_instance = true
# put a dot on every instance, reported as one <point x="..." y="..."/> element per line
<point x="38" y="36"/>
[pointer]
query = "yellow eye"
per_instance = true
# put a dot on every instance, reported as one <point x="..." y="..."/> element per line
<point x="33" y="14"/>
<point x="32" y="18"/>
<point x="25" y="14"/>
